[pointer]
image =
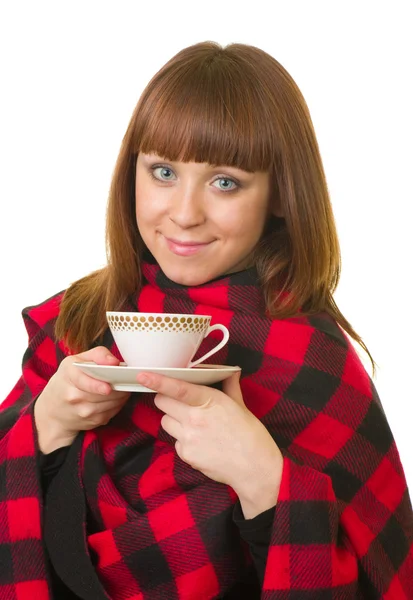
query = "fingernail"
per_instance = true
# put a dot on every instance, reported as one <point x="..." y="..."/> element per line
<point x="142" y="378"/>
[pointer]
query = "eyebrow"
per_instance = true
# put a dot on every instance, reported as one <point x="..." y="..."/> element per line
<point x="150" y="157"/>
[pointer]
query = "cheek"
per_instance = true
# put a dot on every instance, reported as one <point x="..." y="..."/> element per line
<point x="147" y="205"/>
<point x="139" y="196"/>
<point x="247" y="222"/>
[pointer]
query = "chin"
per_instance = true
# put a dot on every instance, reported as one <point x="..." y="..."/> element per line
<point x="187" y="277"/>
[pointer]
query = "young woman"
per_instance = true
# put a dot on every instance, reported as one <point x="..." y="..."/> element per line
<point x="285" y="483"/>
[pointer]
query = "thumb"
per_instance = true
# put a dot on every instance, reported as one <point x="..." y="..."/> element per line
<point x="231" y="387"/>
<point x="100" y="355"/>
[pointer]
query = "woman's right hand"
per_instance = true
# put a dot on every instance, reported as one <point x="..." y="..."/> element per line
<point x="73" y="401"/>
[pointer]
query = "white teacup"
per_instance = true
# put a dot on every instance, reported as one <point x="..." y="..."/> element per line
<point x="162" y="339"/>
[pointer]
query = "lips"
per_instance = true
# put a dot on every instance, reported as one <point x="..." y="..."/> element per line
<point x="185" y="248"/>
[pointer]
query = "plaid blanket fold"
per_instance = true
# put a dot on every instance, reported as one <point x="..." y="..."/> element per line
<point x="121" y="529"/>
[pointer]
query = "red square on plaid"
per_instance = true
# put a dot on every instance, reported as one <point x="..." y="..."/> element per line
<point x="344" y="567"/>
<point x="44" y="313"/>
<point x="288" y="341"/>
<point x="278" y="576"/>
<point x="324" y="436"/>
<point x="358" y="531"/>
<point x="354" y="374"/>
<point x="150" y="301"/>
<point x="214" y="295"/>
<point x="159" y="476"/>
<point x="46" y="352"/>
<point x="18" y="445"/>
<point x="264" y="398"/>
<point x="389" y="495"/>
<point x="30" y="590"/>
<point x="395" y="591"/>
<point x="105" y="547"/>
<point x="146" y="418"/>
<point x="24" y="519"/>
<point x="113" y="516"/>
<point x="203" y="579"/>
<point x="170" y="518"/>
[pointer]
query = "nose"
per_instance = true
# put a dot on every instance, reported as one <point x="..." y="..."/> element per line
<point x="186" y="208"/>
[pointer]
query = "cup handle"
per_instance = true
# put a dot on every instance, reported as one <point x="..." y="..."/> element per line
<point x="216" y="348"/>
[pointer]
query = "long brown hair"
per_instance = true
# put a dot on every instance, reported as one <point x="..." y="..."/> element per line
<point x="225" y="106"/>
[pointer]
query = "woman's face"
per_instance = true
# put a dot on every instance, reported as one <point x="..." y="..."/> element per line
<point x="199" y="221"/>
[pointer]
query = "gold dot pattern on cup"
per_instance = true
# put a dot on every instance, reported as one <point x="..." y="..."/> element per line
<point x="139" y="323"/>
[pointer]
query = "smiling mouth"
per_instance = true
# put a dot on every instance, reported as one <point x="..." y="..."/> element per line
<point x="185" y="248"/>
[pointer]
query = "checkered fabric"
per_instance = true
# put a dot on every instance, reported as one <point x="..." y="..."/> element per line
<point x="343" y="526"/>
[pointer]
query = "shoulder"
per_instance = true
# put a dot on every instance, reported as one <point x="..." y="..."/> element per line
<point x="338" y="352"/>
<point x="41" y="316"/>
<point x="320" y="350"/>
<point x="292" y="337"/>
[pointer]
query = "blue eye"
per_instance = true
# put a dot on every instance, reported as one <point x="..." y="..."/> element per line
<point x="164" y="173"/>
<point x="225" y="184"/>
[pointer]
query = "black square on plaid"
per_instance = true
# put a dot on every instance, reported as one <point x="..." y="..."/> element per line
<point x="249" y="360"/>
<point x="329" y="327"/>
<point x="394" y="542"/>
<point x="309" y="523"/>
<point x="23" y="568"/>
<point x="375" y="428"/>
<point x="312" y="388"/>
<point x="220" y="527"/>
<point x="3" y="483"/>
<point x="345" y="484"/>
<point x="367" y="585"/>
<point x="6" y="565"/>
<point x="149" y="566"/>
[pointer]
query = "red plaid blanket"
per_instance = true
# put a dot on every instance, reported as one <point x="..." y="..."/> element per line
<point x="343" y="525"/>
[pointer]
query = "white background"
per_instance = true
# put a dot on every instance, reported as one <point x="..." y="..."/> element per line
<point x="71" y="74"/>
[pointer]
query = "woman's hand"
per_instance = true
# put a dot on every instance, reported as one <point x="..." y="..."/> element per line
<point x="217" y="435"/>
<point x="73" y="401"/>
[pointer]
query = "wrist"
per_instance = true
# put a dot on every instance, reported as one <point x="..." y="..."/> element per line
<point x="259" y="493"/>
<point x="50" y="433"/>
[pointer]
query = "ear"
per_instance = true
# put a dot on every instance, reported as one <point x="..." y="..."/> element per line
<point x="275" y="208"/>
<point x="277" y="211"/>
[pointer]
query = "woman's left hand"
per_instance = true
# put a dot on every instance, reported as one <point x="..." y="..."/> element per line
<point x="216" y="434"/>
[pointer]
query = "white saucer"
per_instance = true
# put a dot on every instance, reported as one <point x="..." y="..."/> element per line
<point x="123" y="378"/>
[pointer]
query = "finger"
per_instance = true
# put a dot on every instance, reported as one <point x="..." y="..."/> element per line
<point x="109" y="405"/>
<point x="89" y="385"/>
<point x="190" y="393"/>
<point x="231" y="387"/>
<point x="87" y="410"/>
<point x="100" y="355"/>
<point x="172" y="427"/>
<point x="180" y="452"/>
<point x="172" y="407"/>
<point x="85" y="384"/>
